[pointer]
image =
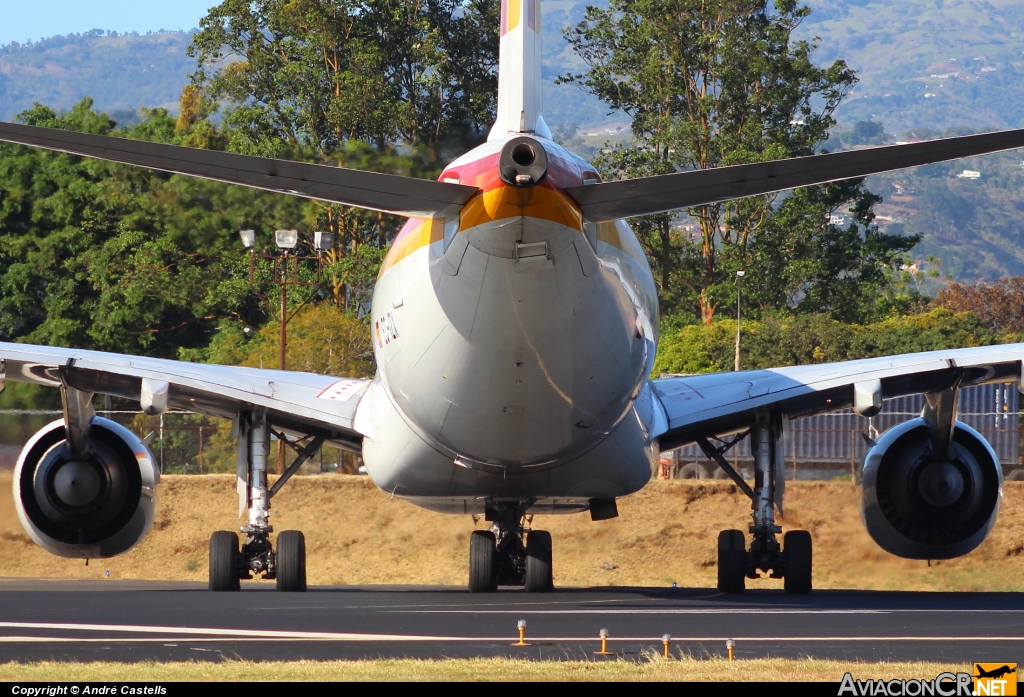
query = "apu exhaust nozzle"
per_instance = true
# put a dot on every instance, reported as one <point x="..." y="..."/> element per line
<point x="523" y="162"/>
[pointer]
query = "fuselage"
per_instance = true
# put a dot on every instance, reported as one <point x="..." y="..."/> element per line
<point x="512" y="337"/>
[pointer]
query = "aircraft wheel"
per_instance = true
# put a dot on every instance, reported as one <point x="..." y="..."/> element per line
<point x="732" y="561"/>
<point x="291" y="561"/>
<point x="796" y="547"/>
<point x="224" y="561"/>
<point x="539" y="577"/>
<point x="483" y="562"/>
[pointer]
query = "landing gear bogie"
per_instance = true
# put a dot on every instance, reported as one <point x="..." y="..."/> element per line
<point x="792" y="563"/>
<point x="736" y="562"/>
<point x="509" y="554"/>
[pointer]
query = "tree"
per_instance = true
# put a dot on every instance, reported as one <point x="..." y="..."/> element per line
<point x="104" y="256"/>
<point x="810" y="339"/>
<point x="342" y="82"/>
<point x="711" y="83"/>
<point x="314" y="74"/>
<point x="999" y="304"/>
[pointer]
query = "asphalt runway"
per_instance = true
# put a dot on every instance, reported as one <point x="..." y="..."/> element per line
<point x="136" y="620"/>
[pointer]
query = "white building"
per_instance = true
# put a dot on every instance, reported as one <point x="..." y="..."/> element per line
<point x="969" y="174"/>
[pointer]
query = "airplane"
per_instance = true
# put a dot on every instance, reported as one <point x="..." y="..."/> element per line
<point x="515" y="324"/>
<point x="995" y="672"/>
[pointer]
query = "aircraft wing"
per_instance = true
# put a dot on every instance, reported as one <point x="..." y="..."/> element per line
<point x="299" y="402"/>
<point x="722" y="403"/>
<point x="390" y="193"/>
<point x="658" y="194"/>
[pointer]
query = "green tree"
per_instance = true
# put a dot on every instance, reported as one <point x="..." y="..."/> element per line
<point x="104" y="256"/>
<point x="710" y="84"/>
<point x="317" y="73"/>
<point x="809" y="339"/>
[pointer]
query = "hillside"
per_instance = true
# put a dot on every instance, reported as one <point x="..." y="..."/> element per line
<point x="356" y="534"/>
<point x="924" y="66"/>
<point x="120" y="73"/>
<point x="926" y="63"/>
<point x="974" y="227"/>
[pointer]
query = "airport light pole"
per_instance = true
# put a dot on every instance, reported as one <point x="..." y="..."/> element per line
<point x="739" y="277"/>
<point x="286" y="273"/>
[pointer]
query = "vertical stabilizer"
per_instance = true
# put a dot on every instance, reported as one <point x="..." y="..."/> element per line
<point x="519" y="77"/>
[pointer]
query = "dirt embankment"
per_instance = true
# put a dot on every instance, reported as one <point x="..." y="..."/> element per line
<point x="667" y="533"/>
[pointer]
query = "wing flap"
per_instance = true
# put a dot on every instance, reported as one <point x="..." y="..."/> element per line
<point x="659" y="194"/>
<point x="389" y="193"/>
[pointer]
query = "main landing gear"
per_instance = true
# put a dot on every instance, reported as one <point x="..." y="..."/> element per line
<point x="509" y="554"/>
<point x="792" y="561"/>
<point x="257" y="556"/>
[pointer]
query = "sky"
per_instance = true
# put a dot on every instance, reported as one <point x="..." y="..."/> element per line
<point x="21" y="20"/>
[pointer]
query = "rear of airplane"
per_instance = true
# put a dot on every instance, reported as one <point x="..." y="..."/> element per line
<point x="512" y="337"/>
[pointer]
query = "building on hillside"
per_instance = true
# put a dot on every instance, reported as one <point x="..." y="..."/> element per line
<point x="969" y="174"/>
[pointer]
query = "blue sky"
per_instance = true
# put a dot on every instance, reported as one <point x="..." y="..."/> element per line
<point x="21" y="20"/>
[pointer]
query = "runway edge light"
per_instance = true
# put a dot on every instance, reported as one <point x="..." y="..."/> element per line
<point x="521" y="625"/>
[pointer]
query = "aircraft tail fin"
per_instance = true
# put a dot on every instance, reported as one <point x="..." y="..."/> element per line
<point x="519" y="74"/>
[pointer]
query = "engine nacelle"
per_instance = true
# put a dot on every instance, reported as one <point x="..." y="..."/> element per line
<point x="918" y="507"/>
<point x="92" y="508"/>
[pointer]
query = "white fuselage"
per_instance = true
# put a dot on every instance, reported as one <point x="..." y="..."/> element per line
<point x="513" y="343"/>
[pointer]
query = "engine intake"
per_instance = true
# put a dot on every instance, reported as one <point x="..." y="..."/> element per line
<point x="918" y="506"/>
<point x="93" y="507"/>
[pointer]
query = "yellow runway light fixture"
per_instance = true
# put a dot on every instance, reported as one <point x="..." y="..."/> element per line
<point x="522" y="634"/>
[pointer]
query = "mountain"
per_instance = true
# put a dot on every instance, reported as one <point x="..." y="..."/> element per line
<point x="925" y="66"/>
<point x="120" y="72"/>
<point x="926" y="63"/>
<point x="922" y="63"/>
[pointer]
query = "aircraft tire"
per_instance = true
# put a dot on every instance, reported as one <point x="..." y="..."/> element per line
<point x="539" y="577"/>
<point x="224" y="561"/>
<point x="483" y="562"/>
<point x="796" y="547"/>
<point x="291" y="562"/>
<point x="732" y="561"/>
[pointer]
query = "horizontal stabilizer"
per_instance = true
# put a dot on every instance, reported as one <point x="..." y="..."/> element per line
<point x="390" y="193"/>
<point x="647" y="195"/>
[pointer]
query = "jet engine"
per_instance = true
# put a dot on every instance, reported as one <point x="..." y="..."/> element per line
<point x="917" y="505"/>
<point x="96" y="505"/>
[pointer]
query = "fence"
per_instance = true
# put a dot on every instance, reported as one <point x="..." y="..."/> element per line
<point x="831" y="445"/>
<point x="819" y="447"/>
<point x="181" y="442"/>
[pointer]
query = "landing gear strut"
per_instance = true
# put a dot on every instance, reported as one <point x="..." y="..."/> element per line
<point x="228" y="563"/>
<point x="792" y="560"/>
<point x="509" y="554"/>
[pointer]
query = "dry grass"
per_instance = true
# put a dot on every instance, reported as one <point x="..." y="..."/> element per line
<point x="667" y="533"/>
<point x="476" y="670"/>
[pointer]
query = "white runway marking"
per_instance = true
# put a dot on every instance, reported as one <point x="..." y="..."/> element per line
<point x="209" y="634"/>
<point x="686" y="611"/>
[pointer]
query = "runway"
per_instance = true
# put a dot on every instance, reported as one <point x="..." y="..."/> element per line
<point x="137" y="620"/>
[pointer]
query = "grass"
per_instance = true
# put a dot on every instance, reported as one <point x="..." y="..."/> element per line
<point x="477" y="670"/>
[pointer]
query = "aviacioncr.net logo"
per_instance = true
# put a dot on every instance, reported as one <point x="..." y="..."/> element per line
<point x="942" y="685"/>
